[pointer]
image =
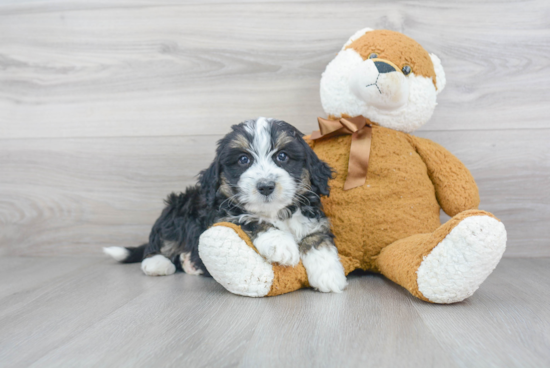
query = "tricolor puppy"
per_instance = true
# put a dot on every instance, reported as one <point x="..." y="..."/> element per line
<point x="264" y="178"/>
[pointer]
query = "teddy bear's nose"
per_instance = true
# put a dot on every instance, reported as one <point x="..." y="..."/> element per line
<point x="384" y="67"/>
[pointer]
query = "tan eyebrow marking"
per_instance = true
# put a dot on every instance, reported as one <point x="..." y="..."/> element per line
<point x="240" y="141"/>
<point x="282" y="140"/>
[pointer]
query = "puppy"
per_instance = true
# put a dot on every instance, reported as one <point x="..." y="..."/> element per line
<point x="264" y="178"/>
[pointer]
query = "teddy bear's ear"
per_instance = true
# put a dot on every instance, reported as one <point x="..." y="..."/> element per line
<point x="440" y="80"/>
<point x="356" y="36"/>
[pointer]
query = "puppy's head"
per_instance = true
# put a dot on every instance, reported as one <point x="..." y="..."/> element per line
<point x="263" y="166"/>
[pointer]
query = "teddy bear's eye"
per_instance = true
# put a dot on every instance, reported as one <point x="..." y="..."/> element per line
<point x="406" y="70"/>
<point x="373" y="56"/>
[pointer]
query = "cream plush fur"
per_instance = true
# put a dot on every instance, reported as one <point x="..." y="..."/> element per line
<point x="338" y="99"/>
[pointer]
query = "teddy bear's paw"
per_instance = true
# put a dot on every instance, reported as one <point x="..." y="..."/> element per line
<point x="278" y="247"/>
<point x="233" y="264"/>
<point x="324" y="270"/>
<point x="458" y="265"/>
<point x="157" y="265"/>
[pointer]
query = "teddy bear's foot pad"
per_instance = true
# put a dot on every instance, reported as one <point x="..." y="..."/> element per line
<point x="462" y="260"/>
<point x="233" y="264"/>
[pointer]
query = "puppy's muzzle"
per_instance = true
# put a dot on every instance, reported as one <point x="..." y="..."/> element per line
<point x="265" y="187"/>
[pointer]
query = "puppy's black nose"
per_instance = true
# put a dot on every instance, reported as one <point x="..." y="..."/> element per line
<point x="384" y="67"/>
<point x="266" y="187"/>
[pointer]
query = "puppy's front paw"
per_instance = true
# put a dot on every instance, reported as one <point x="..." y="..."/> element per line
<point x="324" y="270"/>
<point x="278" y="246"/>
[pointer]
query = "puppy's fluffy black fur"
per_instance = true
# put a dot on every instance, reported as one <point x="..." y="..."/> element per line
<point x="216" y="196"/>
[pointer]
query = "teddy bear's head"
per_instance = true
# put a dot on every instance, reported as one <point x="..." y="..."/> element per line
<point x="385" y="76"/>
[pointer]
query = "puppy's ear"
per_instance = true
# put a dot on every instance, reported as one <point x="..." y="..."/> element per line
<point x="209" y="180"/>
<point x="319" y="172"/>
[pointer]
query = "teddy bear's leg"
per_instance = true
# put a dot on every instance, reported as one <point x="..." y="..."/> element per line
<point x="234" y="262"/>
<point x="448" y="265"/>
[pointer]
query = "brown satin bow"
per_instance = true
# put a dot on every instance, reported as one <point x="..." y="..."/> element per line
<point x="361" y="136"/>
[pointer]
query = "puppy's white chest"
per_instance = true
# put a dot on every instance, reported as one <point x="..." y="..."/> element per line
<point x="298" y="225"/>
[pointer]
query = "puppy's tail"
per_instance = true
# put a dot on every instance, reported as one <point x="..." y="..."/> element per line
<point x="126" y="255"/>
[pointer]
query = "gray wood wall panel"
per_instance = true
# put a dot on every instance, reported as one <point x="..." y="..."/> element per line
<point x="164" y="69"/>
<point x="73" y="195"/>
<point x="106" y="106"/>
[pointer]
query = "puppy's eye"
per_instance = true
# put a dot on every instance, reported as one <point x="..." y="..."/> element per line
<point x="406" y="70"/>
<point x="282" y="157"/>
<point x="244" y="160"/>
<point x="373" y="56"/>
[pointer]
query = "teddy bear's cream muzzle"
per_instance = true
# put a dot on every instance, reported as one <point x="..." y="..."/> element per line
<point x="379" y="83"/>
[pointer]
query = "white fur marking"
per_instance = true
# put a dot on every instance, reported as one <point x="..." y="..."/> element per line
<point x="462" y="261"/>
<point x="262" y="137"/>
<point x="263" y="168"/>
<point x="157" y="265"/>
<point x="118" y="253"/>
<point x="324" y="270"/>
<point x="278" y="246"/>
<point x="188" y="267"/>
<point x="299" y="225"/>
<point x="233" y="264"/>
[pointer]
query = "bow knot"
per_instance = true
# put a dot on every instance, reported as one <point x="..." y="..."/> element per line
<point x="361" y="136"/>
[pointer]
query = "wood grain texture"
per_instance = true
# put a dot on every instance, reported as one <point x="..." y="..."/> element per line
<point x="110" y="315"/>
<point x="371" y="325"/>
<point x="504" y="306"/>
<point x="107" y="106"/>
<point x="120" y="68"/>
<point x="72" y="196"/>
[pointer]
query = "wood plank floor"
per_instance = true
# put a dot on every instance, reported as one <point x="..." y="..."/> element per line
<point x="83" y="312"/>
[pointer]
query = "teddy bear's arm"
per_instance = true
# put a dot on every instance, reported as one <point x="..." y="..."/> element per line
<point x="455" y="187"/>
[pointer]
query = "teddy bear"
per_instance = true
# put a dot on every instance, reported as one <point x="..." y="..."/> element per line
<point x="389" y="187"/>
